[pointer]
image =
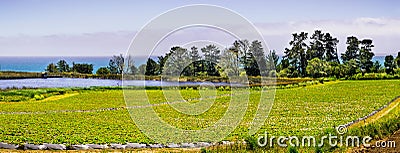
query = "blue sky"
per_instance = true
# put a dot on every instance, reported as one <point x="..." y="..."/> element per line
<point x="103" y="28"/>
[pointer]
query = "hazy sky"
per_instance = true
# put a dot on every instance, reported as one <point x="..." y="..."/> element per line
<point x="104" y="28"/>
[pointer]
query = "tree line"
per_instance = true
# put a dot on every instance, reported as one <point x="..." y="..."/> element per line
<point x="307" y="56"/>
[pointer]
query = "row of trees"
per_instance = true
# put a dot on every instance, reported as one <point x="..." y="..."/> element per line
<point x="62" y="66"/>
<point x="243" y="57"/>
<point x="317" y="56"/>
<point x="314" y="56"/>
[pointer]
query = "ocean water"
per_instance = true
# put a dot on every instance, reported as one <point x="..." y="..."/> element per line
<point x="39" y="64"/>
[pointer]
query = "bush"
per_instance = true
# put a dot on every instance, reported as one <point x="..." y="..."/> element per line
<point x="292" y="150"/>
<point x="251" y="142"/>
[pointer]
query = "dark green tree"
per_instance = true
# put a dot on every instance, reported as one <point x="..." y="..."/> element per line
<point x="178" y="59"/>
<point x="256" y="60"/>
<point x="151" y="67"/>
<point x="330" y="43"/>
<point x="194" y="65"/>
<point x="82" y="68"/>
<point x="397" y="60"/>
<point x="63" y="66"/>
<point x="296" y="54"/>
<point x="389" y="64"/>
<point x="52" y="68"/>
<point x="317" y="49"/>
<point x="116" y="64"/>
<point x="211" y="59"/>
<point x="366" y="55"/>
<point x="376" y="67"/>
<point x="272" y="60"/>
<point x="103" y="71"/>
<point x="353" y="49"/>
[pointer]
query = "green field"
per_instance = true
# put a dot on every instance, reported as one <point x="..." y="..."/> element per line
<point x="78" y="117"/>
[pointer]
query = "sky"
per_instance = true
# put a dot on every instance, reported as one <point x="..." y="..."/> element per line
<point x="106" y="27"/>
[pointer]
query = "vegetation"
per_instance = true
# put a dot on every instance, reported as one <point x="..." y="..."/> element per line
<point x="296" y="111"/>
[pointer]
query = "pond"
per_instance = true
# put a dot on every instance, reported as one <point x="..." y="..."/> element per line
<point x="74" y="82"/>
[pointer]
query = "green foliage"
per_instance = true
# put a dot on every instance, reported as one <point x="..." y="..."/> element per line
<point x="103" y="71"/>
<point x="292" y="150"/>
<point x="151" y="67"/>
<point x="83" y="68"/>
<point x="116" y="64"/>
<point x="309" y="109"/>
<point x="251" y="142"/>
<point x="52" y="68"/>
<point x="63" y="66"/>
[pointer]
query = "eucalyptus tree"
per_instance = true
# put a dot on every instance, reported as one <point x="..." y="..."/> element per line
<point x="296" y="54"/>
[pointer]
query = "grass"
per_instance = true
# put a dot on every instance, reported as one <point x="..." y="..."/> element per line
<point x="296" y="111"/>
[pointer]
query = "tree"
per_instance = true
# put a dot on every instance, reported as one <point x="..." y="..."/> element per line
<point x="151" y="67"/>
<point x="62" y="66"/>
<point x="331" y="54"/>
<point x="397" y="60"/>
<point x="366" y="55"/>
<point x="211" y="58"/>
<point x="82" y="68"/>
<point x="376" y="67"/>
<point x="130" y="66"/>
<point x="177" y="60"/>
<point x="316" y="49"/>
<point x="256" y="61"/>
<point x="272" y="60"/>
<point x="228" y="63"/>
<point x="351" y="67"/>
<point x="389" y="64"/>
<point x="116" y="64"/>
<point x="142" y="69"/>
<point x="103" y="71"/>
<point x="317" y="68"/>
<point x="297" y="54"/>
<point x="353" y="49"/>
<point x="195" y="58"/>
<point x="52" y="68"/>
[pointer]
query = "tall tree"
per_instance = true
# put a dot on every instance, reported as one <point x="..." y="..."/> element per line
<point x="397" y="60"/>
<point x="130" y="65"/>
<point x="366" y="55"/>
<point x="330" y="43"/>
<point x="62" y="66"/>
<point x="256" y="60"/>
<point x="235" y="49"/>
<point x="211" y="58"/>
<point x="353" y="49"/>
<point x="52" y="68"/>
<point x="151" y="67"/>
<point x="228" y="63"/>
<point x="272" y="60"/>
<point x="297" y="53"/>
<point x="83" y="68"/>
<point x="116" y="64"/>
<point x="177" y="60"/>
<point x="389" y="64"/>
<point x="316" y="49"/>
<point x="194" y="65"/>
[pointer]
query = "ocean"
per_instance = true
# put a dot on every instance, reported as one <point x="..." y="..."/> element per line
<point x="39" y="64"/>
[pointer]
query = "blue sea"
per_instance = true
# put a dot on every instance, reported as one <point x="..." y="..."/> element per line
<point x="39" y="64"/>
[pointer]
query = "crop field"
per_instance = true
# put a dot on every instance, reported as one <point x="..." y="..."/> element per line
<point x="101" y="116"/>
